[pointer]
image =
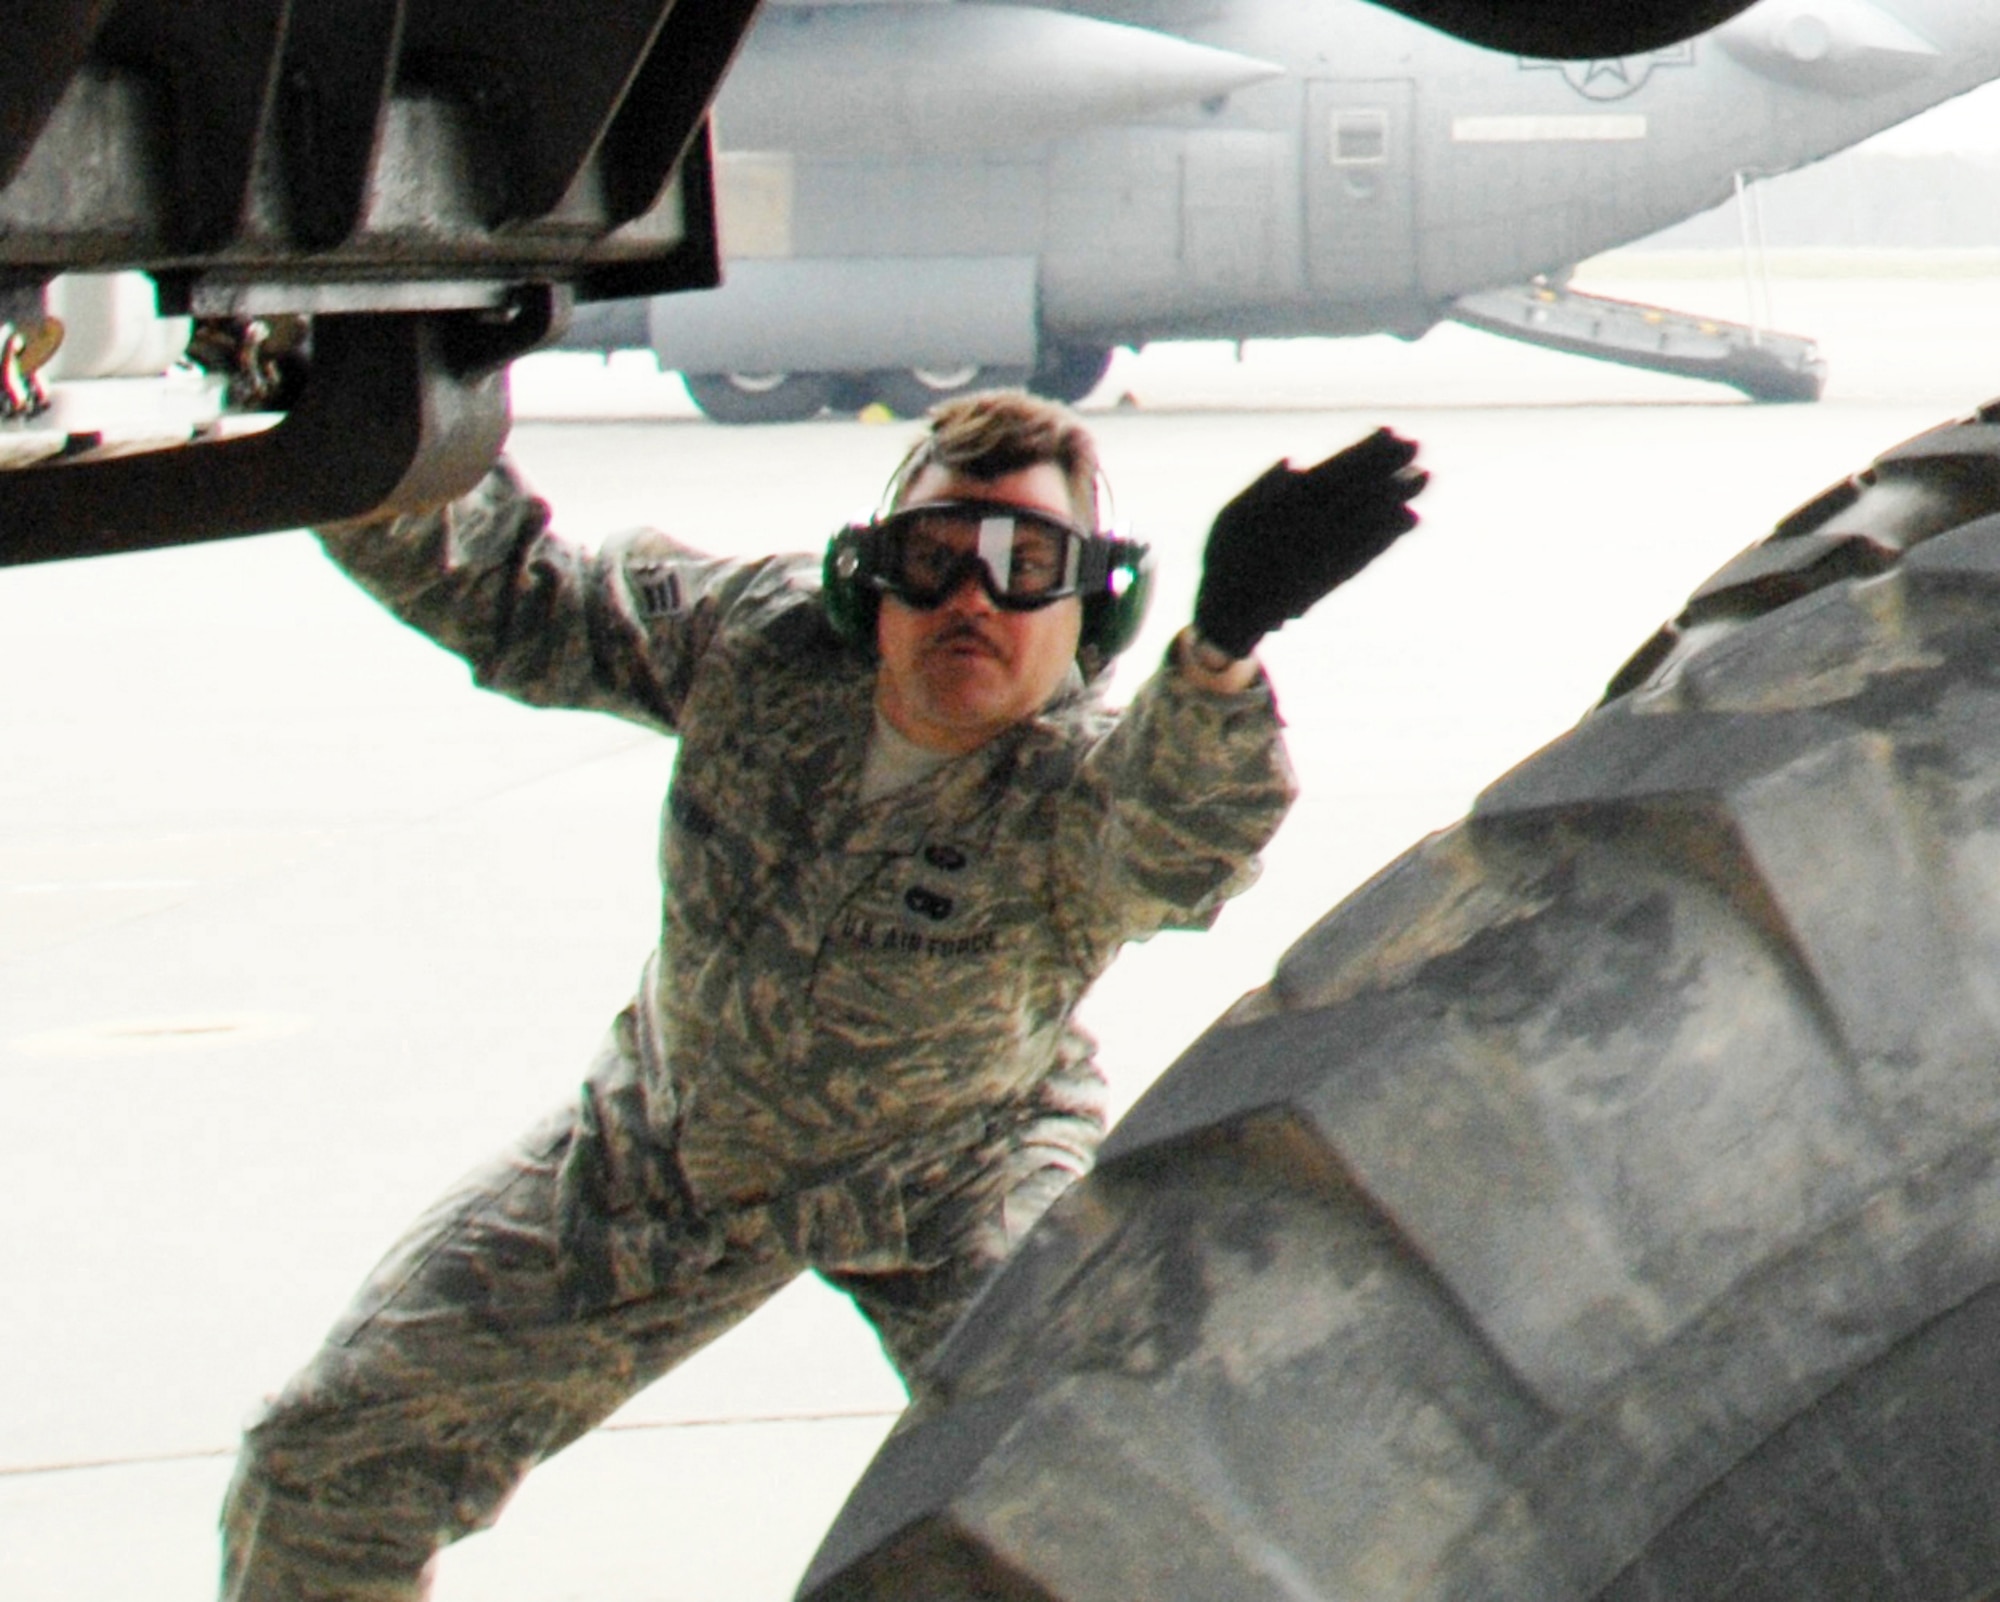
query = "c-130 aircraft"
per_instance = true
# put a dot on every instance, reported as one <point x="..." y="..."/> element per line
<point x="920" y="198"/>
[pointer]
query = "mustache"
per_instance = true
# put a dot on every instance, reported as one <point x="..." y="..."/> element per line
<point x="964" y="628"/>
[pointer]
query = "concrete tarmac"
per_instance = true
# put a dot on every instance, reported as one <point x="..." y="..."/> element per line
<point x="295" y="924"/>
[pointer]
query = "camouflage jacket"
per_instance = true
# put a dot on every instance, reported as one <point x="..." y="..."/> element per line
<point x="835" y="980"/>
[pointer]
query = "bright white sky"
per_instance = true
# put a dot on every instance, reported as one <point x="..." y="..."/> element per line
<point x="1968" y="125"/>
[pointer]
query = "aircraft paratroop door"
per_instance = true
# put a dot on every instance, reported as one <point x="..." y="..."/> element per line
<point x="1360" y="204"/>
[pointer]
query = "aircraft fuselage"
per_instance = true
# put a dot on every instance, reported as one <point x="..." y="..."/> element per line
<point x="980" y="187"/>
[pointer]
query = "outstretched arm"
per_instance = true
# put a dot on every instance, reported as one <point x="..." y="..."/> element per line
<point x="1183" y="794"/>
<point x="543" y="620"/>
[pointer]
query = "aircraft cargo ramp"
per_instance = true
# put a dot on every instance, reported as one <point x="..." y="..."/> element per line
<point x="1765" y="366"/>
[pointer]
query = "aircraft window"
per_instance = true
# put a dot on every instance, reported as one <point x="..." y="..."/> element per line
<point x="1360" y="139"/>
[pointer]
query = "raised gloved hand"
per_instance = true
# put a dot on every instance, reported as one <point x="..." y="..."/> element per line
<point x="1293" y="536"/>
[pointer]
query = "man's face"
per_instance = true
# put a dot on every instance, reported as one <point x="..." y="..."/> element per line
<point x="954" y="677"/>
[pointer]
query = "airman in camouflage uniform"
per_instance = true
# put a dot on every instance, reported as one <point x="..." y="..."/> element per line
<point x="852" y="1051"/>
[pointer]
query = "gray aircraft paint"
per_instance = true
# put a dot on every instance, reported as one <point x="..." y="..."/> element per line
<point x="916" y="185"/>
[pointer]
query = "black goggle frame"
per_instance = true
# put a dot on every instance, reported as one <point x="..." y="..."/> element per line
<point x="1083" y="562"/>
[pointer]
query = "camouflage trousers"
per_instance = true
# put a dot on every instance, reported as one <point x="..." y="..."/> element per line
<point x="553" y="1285"/>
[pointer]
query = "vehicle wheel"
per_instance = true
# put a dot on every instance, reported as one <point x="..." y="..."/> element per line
<point x="758" y="397"/>
<point x="849" y="393"/>
<point x="1068" y="373"/>
<point x="912" y="391"/>
<point x="1602" y="1203"/>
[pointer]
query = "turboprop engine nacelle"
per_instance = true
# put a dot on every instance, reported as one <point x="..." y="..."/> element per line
<point x="961" y="78"/>
<point x="1845" y="47"/>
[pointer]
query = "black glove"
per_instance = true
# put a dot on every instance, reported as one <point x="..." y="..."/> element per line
<point x="1293" y="536"/>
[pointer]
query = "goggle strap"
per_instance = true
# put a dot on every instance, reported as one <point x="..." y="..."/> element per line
<point x="1103" y="555"/>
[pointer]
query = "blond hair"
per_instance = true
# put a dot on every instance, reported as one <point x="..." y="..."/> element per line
<point x="993" y="432"/>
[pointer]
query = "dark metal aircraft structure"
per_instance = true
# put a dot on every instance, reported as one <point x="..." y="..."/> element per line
<point x="918" y="199"/>
<point x="424" y="184"/>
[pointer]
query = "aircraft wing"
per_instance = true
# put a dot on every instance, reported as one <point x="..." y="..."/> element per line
<point x="413" y="191"/>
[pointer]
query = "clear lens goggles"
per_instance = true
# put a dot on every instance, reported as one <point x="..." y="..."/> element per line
<point x="1023" y="559"/>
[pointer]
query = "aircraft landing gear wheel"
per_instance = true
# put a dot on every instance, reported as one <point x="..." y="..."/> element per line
<point x="758" y="397"/>
<point x="912" y="391"/>
<point x="849" y="393"/>
<point x="1069" y="372"/>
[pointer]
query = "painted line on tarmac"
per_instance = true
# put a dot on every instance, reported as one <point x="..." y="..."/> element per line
<point x="209" y="1453"/>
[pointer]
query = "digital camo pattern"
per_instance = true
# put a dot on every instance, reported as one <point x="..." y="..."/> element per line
<point x="541" y="1294"/>
<point x="833" y="976"/>
<point x="852" y="1050"/>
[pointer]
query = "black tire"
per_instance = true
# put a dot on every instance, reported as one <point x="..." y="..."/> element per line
<point x="1602" y="1203"/>
<point x="849" y="393"/>
<point x="1069" y="373"/>
<point x="758" y="397"/>
<point x="912" y="391"/>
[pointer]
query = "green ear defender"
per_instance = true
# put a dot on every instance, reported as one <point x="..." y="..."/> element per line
<point x="1112" y="615"/>
<point x="851" y="602"/>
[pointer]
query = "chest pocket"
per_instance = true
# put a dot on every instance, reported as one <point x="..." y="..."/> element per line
<point x="712" y="873"/>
